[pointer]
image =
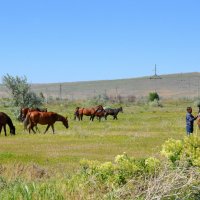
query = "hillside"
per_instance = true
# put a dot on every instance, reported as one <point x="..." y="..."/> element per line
<point x="172" y="85"/>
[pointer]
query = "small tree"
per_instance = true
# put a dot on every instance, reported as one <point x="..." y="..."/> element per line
<point x="153" y="96"/>
<point x="22" y="96"/>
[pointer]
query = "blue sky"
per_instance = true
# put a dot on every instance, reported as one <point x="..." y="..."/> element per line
<point x="78" y="40"/>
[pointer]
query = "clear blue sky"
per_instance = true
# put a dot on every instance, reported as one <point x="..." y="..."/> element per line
<point x="78" y="40"/>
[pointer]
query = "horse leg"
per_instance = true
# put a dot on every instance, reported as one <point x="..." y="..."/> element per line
<point x="0" y="128"/>
<point x="47" y="128"/>
<point x="32" y="128"/>
<point x="106" y="117"/>
<point x="37" y="129"/>
<point x="4" y="127"/>
<point x="52" y="126"/>
<point x="92" y="117"/>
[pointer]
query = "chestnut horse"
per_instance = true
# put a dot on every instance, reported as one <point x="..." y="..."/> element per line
<point x="24" y="112"/>
<point x="45" y="118"/>
<point x="5" y="119"/>
<point x="79" y="112"/>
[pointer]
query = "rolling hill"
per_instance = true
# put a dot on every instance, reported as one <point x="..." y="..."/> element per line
<point x="172" y="85"/>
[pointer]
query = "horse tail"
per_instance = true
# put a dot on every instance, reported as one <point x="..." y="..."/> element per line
<point x="26" y="122"/>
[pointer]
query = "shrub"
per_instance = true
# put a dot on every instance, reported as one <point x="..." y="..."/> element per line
<point x="172" y="149"/>
<point x="187" y="150"/>
<point x="153" y="96"/>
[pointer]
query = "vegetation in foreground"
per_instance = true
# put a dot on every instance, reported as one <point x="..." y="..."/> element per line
<point x="177" y="177"/>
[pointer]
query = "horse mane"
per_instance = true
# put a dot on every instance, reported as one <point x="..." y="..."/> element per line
<point x="60" y="117"/>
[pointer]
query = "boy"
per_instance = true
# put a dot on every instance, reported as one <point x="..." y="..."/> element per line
<point x="189" y="121"/>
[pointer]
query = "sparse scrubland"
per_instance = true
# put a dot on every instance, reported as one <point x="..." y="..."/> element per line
<point x="142" y="155"/>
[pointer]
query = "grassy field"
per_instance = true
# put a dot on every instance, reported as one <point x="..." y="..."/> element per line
<point x="47" y="166"/>
<point x="140" y="131"/>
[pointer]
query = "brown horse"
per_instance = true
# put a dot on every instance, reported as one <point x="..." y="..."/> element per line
<point x="5" y="119"/>
<point x="45" y="118"/>
<point x="24" y="111"/>
<point x="79" y="112"/>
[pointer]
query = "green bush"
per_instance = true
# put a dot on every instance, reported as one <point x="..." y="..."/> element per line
<point x="153" y="96"/>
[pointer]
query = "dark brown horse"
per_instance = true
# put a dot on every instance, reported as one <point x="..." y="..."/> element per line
<point x="24" y="111"/>
<point x="113" y="111"/>
<point x="5" y="119"/>
<point x="79" y="112"/>
<point x="45" y="118"/>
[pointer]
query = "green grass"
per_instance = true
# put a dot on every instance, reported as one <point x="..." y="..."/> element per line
<point x="140" y="131"/>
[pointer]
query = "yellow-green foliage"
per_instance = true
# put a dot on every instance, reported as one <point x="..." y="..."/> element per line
<point x="122" y="169"/>
<point x="187" y="150"/>
<point x="152" y="164"/>
<point x="172" y="149"/>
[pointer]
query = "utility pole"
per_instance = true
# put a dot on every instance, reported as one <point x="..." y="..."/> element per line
<point x="198" y="88"/>
<point x="60" y="92"/>
<point x="155" y="76"/>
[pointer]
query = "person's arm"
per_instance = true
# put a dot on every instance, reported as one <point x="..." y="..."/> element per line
<point x="191" y="118"/>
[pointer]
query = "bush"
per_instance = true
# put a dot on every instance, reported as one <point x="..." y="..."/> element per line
<point x="187" y="151"/>
<point x="153" y="96"/>
<point x="123" y="169"/>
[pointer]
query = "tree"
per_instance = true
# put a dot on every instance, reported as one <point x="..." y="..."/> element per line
<point x="22" y="96"/>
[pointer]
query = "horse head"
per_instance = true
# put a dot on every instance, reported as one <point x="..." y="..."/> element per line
<point x="12" y="130"/>
<point x="65" y="122"/>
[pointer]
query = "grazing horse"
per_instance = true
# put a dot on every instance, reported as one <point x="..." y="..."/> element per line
<point x="79" y="112"/>
<point x="45" y="118"/>
<point x="113" y="112"/>
<point x="5" y="119"/>
<point x="24" y="111"/>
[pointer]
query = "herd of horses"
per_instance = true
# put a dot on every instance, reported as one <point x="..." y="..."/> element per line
<point x="97" y="111"/>
<point x="31" y="117"/>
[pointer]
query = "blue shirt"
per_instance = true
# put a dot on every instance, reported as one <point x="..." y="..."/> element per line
<point x="190" y="122"/>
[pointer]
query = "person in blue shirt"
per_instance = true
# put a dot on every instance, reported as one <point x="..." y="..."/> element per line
<point x="190" y="121"/>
